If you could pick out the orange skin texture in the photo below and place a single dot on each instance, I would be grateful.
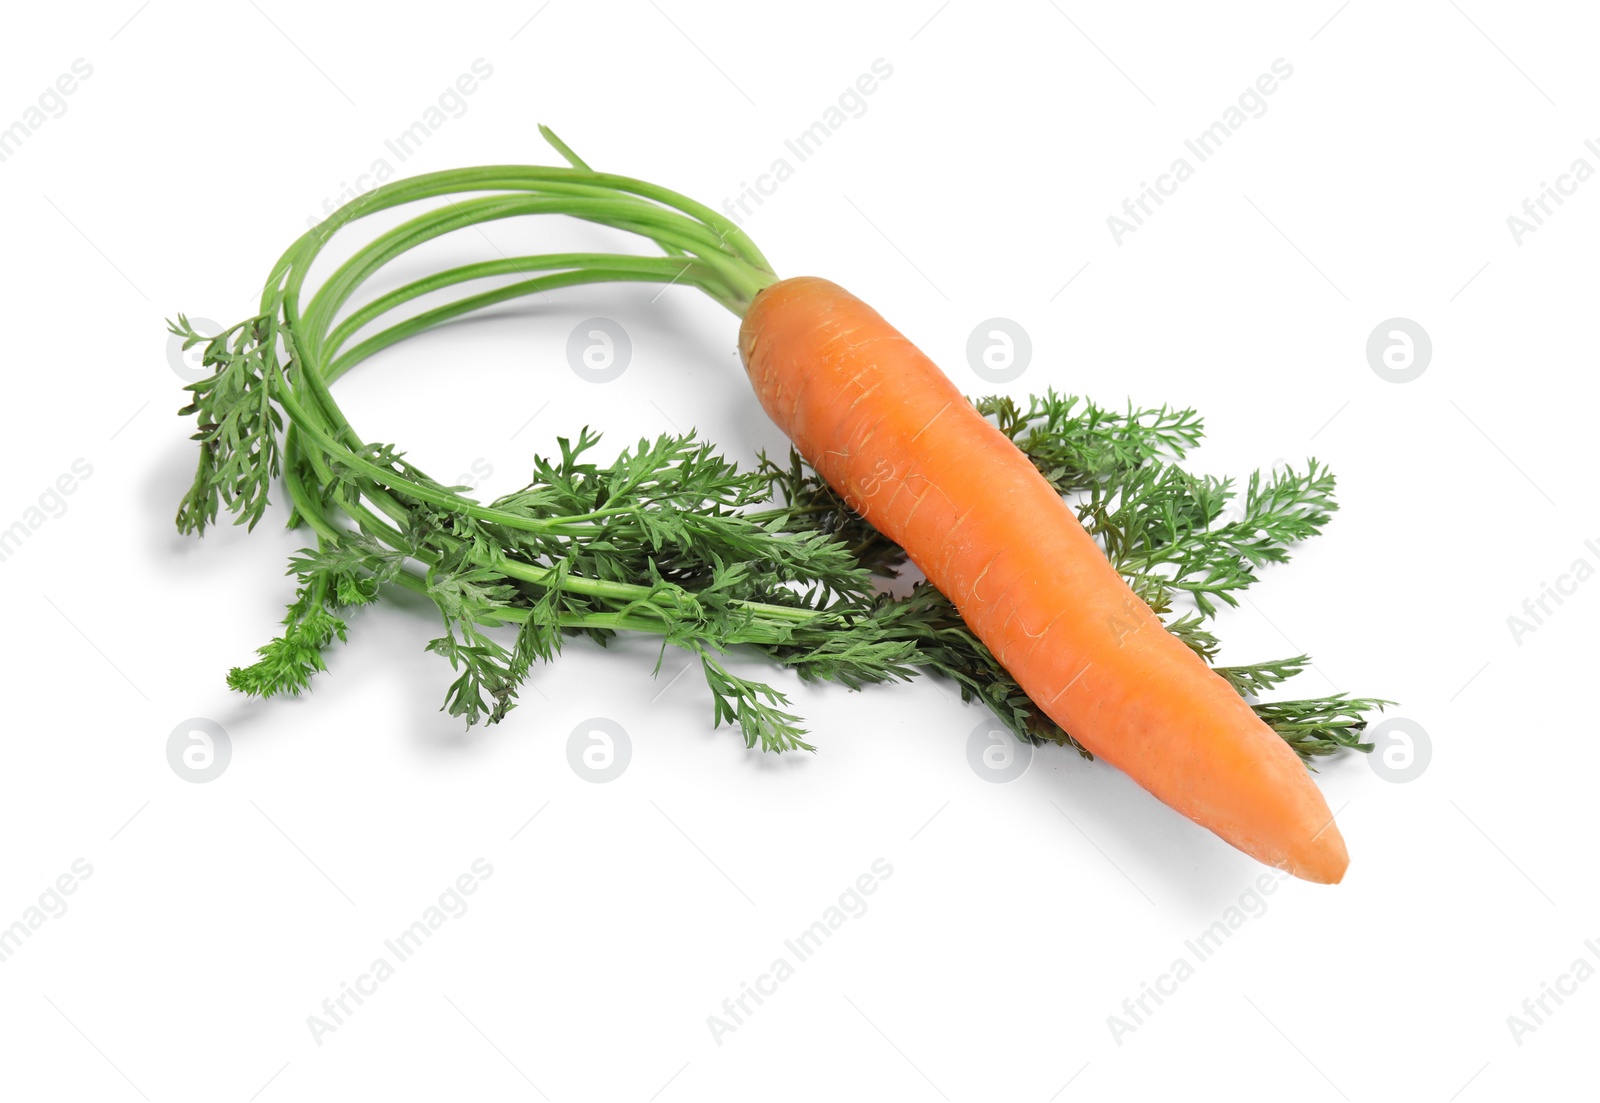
(896, 438)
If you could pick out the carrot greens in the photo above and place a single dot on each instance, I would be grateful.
(669, 538)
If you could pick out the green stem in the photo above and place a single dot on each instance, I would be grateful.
(328, 467)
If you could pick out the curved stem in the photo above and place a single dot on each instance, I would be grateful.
(429, 319)
(745, 274)
(328, 466)
(667, 268)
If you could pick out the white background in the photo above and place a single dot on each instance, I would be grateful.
(619, 916)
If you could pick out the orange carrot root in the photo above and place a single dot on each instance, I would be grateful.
(896, 438)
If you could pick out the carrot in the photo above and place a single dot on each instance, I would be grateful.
(1025, 612)
(892, 434)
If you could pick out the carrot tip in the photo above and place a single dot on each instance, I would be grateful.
(1324, 860)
